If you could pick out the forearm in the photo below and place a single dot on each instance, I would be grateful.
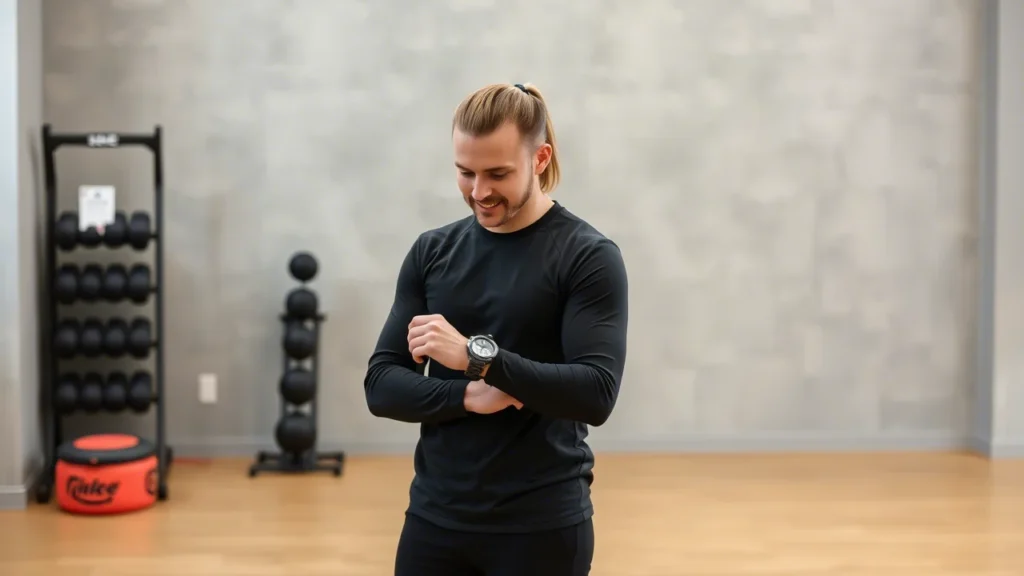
(398, 393)
(581, 392)
(394, 384)
(585, 385)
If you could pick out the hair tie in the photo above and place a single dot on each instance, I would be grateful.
(523, 88)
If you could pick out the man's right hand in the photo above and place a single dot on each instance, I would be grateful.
(482, 398)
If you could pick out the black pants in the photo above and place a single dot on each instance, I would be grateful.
(425, 549)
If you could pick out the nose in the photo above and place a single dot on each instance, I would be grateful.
(480, 191)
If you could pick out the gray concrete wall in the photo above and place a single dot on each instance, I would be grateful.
(793, 185)
(10, 385)
(31, 226)
(1006, 197)
(817, 202)
(21, 103)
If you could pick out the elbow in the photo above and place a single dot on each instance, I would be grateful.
(376, 407)
(381, 400)
(376, 401)
(379, 407)
(604, 402)
(598, 415)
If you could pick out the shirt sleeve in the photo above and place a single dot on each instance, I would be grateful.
(585, 387)
(394, 384)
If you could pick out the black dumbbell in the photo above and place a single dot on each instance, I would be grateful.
(90, 237)
(115, 337)
(116, 233)
(140, 391)
(65, 284)
(139, 283)
(140, 230)
(65, 393)
(90, 396)
(66, 231)
(90, 283)
(115, 281)
(90, 339)
(115, 392)
(65, 338)
(140, 338)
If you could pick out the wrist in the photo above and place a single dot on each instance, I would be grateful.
(464, 358)
(470, 391)
(480, 353)
(457, 394)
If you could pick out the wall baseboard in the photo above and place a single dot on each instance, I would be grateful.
(1001, 449)
(776, 442)
(243, 446)
(16, 497)
(13, 497)
(770, 442)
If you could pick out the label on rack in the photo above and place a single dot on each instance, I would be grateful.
(109, 140)
(95, 206)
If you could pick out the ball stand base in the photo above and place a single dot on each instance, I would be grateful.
(297, 463)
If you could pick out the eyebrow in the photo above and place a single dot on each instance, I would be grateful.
(494, 169)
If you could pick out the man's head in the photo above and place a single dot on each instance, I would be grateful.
(505, 153)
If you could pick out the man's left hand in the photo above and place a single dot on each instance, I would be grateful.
(431, 336)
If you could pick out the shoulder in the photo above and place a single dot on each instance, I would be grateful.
(582, 244)
(434, 242)
(586, 255)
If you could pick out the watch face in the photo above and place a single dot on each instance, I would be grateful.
(483, 348)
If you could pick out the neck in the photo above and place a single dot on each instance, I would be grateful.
(534, 210)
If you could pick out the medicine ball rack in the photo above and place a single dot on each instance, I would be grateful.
(296, 431)
(138, 337)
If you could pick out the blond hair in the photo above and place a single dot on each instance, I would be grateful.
(492, 106)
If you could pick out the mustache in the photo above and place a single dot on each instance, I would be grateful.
(490, 201)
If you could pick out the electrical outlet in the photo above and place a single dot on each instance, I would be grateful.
(208, 388)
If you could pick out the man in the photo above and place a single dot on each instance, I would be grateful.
(520, 310)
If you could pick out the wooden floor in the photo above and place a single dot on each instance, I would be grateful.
(863, 515)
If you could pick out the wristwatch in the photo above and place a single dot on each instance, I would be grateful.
(481, 351)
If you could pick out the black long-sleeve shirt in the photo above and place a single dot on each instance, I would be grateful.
(554, 297)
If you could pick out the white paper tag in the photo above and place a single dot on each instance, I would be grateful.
(96, 206)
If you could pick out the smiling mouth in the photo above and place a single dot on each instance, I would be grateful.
(489, 205)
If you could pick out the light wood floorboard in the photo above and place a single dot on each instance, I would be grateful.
(736, 515)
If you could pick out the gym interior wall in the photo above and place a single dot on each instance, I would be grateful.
(846, 318)
(21, 232)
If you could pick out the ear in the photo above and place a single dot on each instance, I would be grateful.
(541, 158)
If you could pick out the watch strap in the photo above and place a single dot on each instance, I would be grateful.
(475, 369)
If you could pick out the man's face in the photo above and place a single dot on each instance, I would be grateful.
(495, 174)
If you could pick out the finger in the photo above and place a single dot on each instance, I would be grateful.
(418, 331)
(419, 342)
(421, 353)
(417, 357)
(423, 329)
(423, 319)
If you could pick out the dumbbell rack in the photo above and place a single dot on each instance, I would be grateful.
(310, 460)
(292, 459)
(54, 433)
